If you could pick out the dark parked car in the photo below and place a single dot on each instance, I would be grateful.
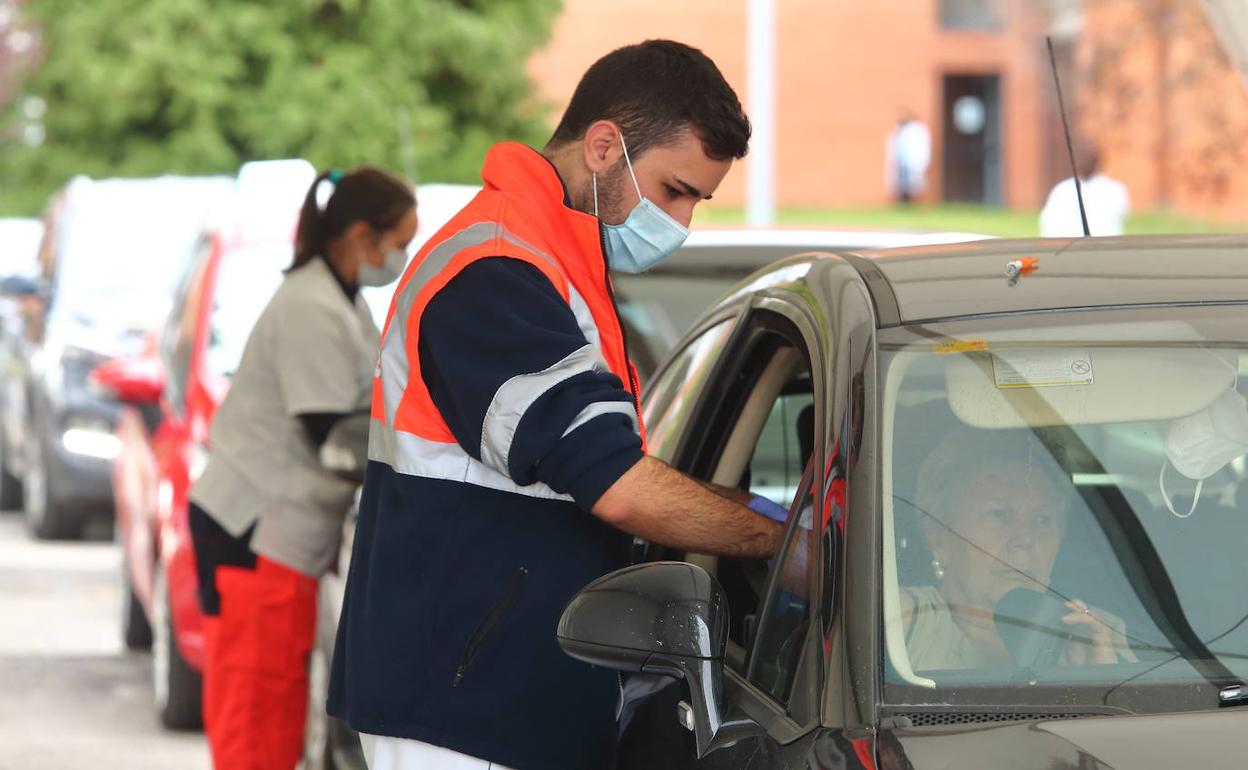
(1016, 479)
(19, 298)
(111, 253)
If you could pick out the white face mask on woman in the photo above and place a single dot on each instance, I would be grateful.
(391, 267)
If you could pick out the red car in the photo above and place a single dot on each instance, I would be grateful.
(170, 399)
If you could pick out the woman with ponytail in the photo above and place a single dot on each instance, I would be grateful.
(266, 515)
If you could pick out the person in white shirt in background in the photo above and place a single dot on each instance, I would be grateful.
(1106, 200)
(907, 154)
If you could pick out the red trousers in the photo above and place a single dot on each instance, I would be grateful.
(256, 666)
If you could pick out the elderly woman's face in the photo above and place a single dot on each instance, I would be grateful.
(1004, 530)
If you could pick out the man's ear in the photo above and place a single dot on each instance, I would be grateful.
(601, 146)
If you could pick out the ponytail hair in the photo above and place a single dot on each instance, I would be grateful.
(338, 200)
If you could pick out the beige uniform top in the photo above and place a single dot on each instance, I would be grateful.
(312, 350)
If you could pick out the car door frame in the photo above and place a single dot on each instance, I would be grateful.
(833, 303)
(857, 305)
(789, 308)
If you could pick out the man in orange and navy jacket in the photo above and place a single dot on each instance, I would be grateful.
(507, 466)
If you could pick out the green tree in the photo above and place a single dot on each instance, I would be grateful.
(137, 88)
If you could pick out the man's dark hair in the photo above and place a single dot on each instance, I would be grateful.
(654, 90)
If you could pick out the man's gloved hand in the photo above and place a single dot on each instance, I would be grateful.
(765, 507)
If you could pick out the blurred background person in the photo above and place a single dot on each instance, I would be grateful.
(266, 515)
(1106, 200)
(907, 154)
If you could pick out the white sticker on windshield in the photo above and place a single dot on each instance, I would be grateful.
(1041, 368)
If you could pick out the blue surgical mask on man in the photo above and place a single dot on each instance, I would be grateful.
(646, 237)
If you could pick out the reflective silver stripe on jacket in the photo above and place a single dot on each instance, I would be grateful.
(600, 408)
(394, 362)
(414, 456)
(514, 397)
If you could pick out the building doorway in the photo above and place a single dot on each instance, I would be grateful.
(971, 155)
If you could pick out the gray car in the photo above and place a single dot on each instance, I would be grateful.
(1017, 482)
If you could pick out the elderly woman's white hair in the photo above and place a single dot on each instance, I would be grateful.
(964, 451)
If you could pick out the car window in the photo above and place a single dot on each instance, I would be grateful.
(1064, 512)
(785, 444)
(246, 281)
(783, 460)
(123, 246)
(759, 436)
(177, 341)
(670, 399)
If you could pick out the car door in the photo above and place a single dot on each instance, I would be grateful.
(172, 441)
(751, 420)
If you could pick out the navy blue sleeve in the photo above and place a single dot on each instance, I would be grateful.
(317, 425)
(519, 386)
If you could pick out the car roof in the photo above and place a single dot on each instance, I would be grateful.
(935, 282)
(741, 252)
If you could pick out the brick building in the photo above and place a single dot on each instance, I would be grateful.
(847, 69)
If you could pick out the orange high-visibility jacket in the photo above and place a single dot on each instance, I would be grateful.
(473, 530)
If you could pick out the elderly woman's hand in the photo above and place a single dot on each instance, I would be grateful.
(1100, 637)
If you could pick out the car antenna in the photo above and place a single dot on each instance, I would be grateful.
(1070, 150)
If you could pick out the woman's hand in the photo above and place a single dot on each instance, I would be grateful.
(1100, 636)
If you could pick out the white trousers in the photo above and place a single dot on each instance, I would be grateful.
(385, 753)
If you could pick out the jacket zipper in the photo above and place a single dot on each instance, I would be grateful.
(487, 624)
(628, 362)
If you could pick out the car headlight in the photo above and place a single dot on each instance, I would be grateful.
(90, 437)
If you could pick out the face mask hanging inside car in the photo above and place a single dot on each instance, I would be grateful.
(1201, 444)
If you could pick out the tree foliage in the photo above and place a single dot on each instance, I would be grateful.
(137, 88)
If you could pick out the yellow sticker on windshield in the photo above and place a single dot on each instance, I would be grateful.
(958, 346)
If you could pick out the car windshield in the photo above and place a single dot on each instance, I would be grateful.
(126, 243)
(1066, 506)
(246, 281)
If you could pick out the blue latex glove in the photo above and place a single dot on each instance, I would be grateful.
(764, 507)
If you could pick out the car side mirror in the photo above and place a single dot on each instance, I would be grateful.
(131, 380)
(666, 618)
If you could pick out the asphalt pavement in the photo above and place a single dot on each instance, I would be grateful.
(71, 696)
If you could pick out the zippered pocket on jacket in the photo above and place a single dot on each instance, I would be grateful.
(487, 624)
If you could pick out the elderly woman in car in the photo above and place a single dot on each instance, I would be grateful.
(992, 506)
